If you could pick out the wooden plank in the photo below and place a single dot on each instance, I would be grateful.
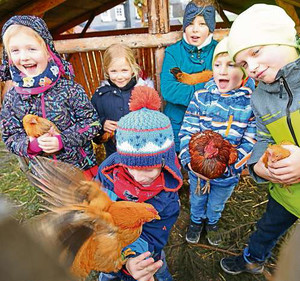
(158, 16)
(224, 17)
(293, 2)
(126, 31)
(132, 40)
(290, 9)
(36, 8)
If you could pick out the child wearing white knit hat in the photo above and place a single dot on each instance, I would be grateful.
(263, 40)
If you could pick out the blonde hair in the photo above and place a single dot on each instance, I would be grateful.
(15, 29)
(120, 51)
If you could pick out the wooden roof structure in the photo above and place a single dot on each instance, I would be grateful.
(61, 15)
(85, 50)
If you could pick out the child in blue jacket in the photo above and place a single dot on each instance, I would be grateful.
(223, 107)
(193, 53)
(145, 168)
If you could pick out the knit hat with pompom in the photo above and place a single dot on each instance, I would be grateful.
(144, 136)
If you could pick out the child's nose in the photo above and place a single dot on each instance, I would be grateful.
(223, 70)
(24, 55)
(252, 66)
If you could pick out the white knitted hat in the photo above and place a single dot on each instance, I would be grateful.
(261, 25)
(221, 48)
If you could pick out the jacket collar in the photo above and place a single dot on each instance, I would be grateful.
(127, 87)
(194, 49)
(291, 74)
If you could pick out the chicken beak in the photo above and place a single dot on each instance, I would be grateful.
(33, 121)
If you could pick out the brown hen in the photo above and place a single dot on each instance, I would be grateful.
(91, 228)
(210, 155)
(36, 126)
(193, 78)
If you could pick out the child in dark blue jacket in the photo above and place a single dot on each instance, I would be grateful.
(145, 168)
(111, 99)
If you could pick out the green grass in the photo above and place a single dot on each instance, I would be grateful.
(16, 188)
(186, 262)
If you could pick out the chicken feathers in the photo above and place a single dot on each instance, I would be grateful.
(91, 228)
(210, 154)
(276, 152)
(193, 78)
(36, 126)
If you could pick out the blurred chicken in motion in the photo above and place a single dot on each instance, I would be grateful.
(91, 228)
(210, 155)
(193, 78)
(36, 126)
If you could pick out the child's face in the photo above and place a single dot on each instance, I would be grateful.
(120, 72)
(227, 74)
(197, 31)
(28, 54)
(145, 176)
(263, 62)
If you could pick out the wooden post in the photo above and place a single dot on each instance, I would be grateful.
(158, 16)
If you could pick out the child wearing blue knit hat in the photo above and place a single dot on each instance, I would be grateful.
(192, 54)
(145, 168)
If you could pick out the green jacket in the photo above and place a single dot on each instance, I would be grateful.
(277, 110)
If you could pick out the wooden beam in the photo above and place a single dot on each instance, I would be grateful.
(132, 40)
(290, 9)
(80, 19)
(224, 17)
(126, 31)
(293, 2)
(158, 16)
(36, 8)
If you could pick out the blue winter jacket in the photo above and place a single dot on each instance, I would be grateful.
(228, 114)
(178, 95)
(112, 103)
(155, 233)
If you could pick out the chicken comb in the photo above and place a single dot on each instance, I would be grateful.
(144, 97)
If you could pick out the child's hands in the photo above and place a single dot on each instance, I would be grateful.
(110, 126)
(141, 268)
(287, 171)
(48, 142)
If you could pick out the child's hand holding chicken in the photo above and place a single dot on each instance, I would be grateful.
(283, 168)
(42, 132)
(143, 267)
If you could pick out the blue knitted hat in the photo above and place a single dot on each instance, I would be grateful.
(192, 10)
(144, 136)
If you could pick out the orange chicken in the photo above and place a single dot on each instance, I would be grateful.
(193, 78)
(276, 152)
(36, 126)
(91, 228)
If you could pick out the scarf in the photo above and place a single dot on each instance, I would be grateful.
(37, 84)
(38, 25)
(128, 189)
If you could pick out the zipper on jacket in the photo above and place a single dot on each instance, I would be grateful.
(288, 113)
